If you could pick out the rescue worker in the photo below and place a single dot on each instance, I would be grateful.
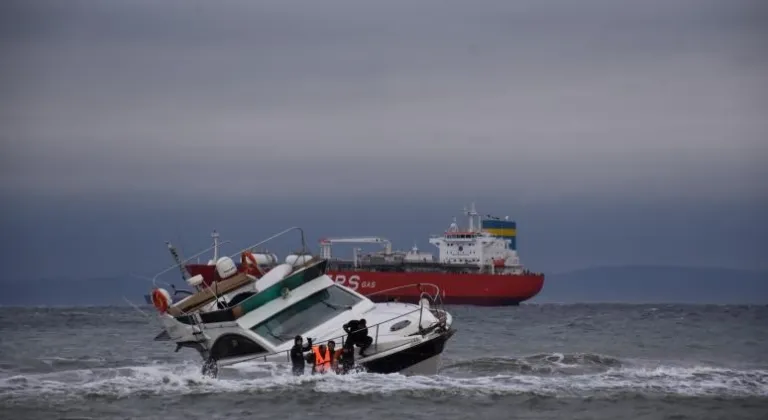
(350, 328)
(363, 339)
(323, 359)
(297, 354)
(335, 355)
(358, 333)
(347, 356)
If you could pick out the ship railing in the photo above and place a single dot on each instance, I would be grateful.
(341, 338)
(432, 285)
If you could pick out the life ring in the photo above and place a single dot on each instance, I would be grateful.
(249, 264)
(161, 299)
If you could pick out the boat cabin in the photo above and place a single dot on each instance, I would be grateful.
(282, 304)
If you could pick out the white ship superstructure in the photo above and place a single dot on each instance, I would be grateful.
(481, 244)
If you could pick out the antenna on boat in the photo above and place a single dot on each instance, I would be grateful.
(178, 261)
(215, 236)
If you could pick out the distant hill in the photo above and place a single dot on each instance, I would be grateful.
(656, 284)
(97, 291)
(601, 284)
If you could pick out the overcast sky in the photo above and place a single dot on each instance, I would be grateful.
(613, 131)
(536, 98)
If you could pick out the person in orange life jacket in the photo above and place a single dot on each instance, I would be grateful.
(297, 354)
(358, 333)
(326, 358)
(322, 356)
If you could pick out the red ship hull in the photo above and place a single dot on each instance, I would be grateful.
(458, 289)
(455, 288)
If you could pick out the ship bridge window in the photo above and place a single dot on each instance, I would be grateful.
(306, 314)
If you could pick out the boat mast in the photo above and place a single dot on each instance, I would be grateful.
(215, 236)
(177, 259)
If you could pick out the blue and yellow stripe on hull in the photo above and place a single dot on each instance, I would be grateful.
(505, 229)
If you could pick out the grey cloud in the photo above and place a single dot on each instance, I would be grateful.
(541, 97)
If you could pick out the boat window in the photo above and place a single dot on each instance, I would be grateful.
(239, 298)
(400, 325)
(234, 345)
(306, 314)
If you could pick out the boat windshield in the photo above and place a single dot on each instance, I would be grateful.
(306, 314)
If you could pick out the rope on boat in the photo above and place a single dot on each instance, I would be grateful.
(146, 315)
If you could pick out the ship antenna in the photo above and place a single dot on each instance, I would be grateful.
(471, 213)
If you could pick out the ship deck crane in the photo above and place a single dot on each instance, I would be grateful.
(327, 243)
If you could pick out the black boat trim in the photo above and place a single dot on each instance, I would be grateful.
(404, 359)
(163, 336)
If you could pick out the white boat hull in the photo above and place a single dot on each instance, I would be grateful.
(262, 324)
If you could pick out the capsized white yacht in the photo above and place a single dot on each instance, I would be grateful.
(244, 318)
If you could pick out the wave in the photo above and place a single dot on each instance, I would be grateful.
(538, 364)
(549, 375)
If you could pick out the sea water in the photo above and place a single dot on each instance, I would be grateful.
(535, 361)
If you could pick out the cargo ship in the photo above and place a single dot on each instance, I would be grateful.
(476, 265)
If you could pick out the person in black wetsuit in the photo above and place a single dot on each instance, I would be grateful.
(347, 357)
(363, 339)
(297, 354)
(351, 328)
(358, 334)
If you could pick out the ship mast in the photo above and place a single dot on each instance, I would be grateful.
(472, 213)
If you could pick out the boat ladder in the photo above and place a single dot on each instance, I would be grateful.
(210, 367)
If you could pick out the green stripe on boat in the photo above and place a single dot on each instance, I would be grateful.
(260, 299)
(276, 290)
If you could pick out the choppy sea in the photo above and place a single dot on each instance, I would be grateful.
(535, 361)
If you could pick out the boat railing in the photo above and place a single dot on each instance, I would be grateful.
(441, 321)
(437, 298)
(275, 236)
(176, 266)
(185, 261)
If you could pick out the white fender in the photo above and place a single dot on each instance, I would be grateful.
(273, 276)
(195, 280)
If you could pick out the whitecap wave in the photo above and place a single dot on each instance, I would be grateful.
(185, 379)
